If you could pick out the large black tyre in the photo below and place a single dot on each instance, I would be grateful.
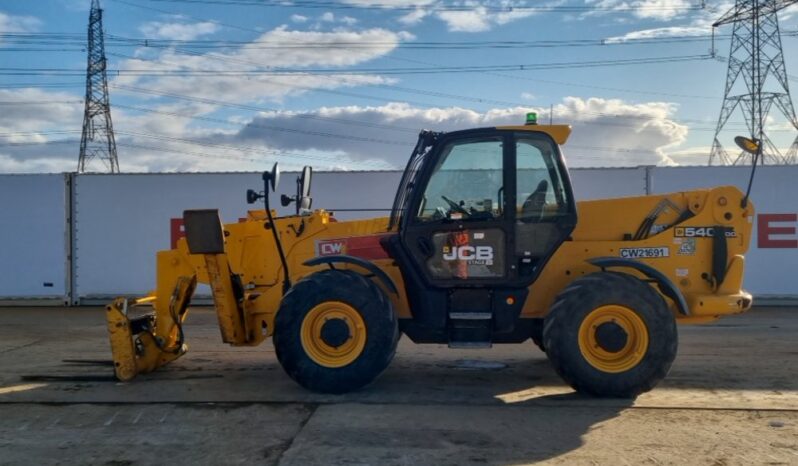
(335, 332)
(583, 342)
(536, 334)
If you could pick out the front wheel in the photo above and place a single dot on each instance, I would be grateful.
(335, 332)
(610, 334)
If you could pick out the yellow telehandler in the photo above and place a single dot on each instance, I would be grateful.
(484, 244)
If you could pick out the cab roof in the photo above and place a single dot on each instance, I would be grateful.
(559, 133)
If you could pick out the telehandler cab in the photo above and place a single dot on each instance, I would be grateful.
(483, 245)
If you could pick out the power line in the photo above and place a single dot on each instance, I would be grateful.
(28, 50)
(274, 152)
(158, 10)
(360, 71)
(377, 125)
(268, 127)
(279, 153)
(31, 102)
(43, 143)
(61, 40)
(222, 103)
(404, 89)
(439, 7)
(431, 93)
(282, 44)
(38, 133)
(239, 148)
(332, 91)
(385, 126)
(42, 85)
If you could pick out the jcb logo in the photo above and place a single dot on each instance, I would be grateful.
(480, 253)
(331, 248)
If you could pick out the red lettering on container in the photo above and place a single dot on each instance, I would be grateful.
(766, 231)
(176, 231)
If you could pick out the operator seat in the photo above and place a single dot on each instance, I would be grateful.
(532, 210)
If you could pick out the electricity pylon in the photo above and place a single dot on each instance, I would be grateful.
(97, 141)
(756, 79)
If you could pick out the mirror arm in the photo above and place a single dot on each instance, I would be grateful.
(268, 177)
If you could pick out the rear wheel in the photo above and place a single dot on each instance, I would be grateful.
(536, 334)
(335, 332)
(610, 334)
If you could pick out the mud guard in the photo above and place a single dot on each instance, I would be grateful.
(352, 260)
(665, 285)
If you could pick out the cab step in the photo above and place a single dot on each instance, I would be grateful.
(470, 344)
(470, 316)
(470, 329)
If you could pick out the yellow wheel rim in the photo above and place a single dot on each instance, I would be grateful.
(322, 352)
(626, 354)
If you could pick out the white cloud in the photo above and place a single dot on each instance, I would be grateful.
(788, 13)
(10, 23)
(414, 17)
(697, 155)
(299, 18)
(261, 54)
(389, 3)
(606, 132)
(178, 31)
(482, 16)
(385, 41)
(466, 21)
(662, 10)
(467, 16)
(698, 25)
(26, 131)
(528, 96)
(34, 119)
(329, 17)
(670, 31)
(50, 164)
(348, 20)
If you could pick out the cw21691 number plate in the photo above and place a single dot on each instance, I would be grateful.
(644, 253)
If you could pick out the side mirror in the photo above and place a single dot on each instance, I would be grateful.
(747, 144)
(272, 178)
(304, 182)
(303, 199)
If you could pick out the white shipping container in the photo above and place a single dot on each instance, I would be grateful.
(121, 221)
(33, 257)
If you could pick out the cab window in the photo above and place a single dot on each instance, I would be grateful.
(539, 187)
(542, 206)
(466, 183)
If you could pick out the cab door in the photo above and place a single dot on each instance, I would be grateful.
(458, 228)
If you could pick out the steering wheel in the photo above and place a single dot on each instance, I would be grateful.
(455, 206)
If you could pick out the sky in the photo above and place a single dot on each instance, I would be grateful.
(236, 85)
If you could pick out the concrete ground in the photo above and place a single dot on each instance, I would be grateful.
(731, 398)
